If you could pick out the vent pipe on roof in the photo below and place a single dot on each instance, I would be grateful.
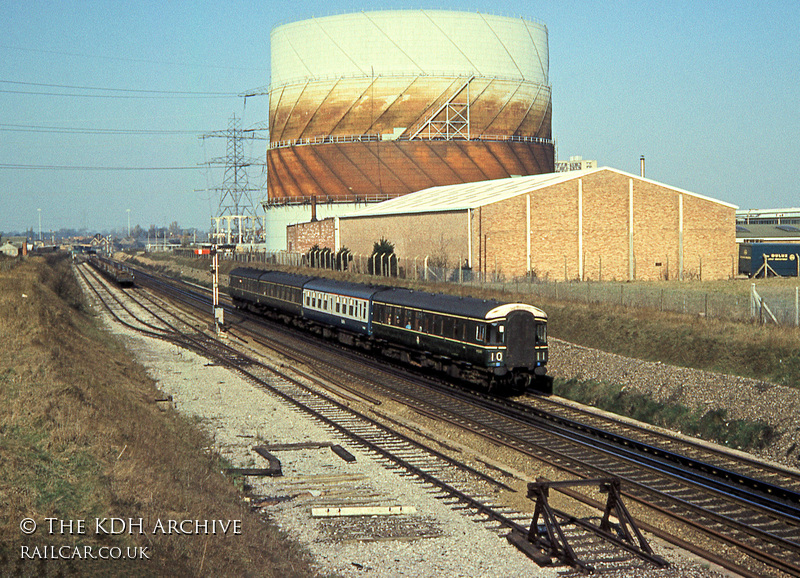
(641, 166)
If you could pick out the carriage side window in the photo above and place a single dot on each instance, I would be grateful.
(338, 305)
(351, 308)
(480, 333)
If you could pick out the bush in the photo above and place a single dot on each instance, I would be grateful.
(712, 425)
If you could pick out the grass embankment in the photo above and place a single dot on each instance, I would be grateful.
(713, 425)
(81, 438)
(763, 352)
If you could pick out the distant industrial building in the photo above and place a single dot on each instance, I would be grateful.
(373, 105)
(768, 226)
(575, 164)
(595, 224)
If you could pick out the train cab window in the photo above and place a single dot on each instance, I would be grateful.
(541, 333)
(497, 334)
(480, 333)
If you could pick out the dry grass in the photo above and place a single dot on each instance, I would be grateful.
(80, 437)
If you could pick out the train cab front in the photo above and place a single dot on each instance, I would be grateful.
(525, 340)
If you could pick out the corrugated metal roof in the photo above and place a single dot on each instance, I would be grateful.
(461, 197)
(464, 196)
(758, 231)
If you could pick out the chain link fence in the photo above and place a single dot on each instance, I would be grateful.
(770, 304)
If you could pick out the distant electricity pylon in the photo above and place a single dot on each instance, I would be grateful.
(236, 219)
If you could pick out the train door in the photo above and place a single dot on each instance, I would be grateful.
(521, 340)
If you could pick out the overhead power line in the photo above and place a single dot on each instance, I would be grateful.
(127, 59)
(88, 168)
(76, 130)
(117, 92)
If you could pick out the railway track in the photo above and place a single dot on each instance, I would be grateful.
(757, 518)
(467, 488)
(731, 501)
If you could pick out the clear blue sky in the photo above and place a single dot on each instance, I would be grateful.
(709, 92)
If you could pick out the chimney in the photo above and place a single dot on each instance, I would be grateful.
(313, 208)
(641, 166)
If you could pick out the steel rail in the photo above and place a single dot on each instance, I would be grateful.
(756, 554)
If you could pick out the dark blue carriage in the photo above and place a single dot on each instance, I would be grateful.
(507, 340)
(260, 289)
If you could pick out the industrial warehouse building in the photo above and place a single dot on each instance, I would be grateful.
(597, 224)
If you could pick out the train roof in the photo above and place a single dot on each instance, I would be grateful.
(343, 288)
(289, 279)
(452, 304)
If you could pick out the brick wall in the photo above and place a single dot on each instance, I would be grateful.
(608, 249)
(439, 236)
(302, 236)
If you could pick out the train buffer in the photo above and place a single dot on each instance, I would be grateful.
(547, 542)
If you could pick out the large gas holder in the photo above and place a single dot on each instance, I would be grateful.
(373, 105)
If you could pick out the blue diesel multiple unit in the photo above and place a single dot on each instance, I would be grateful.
(501, 346)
